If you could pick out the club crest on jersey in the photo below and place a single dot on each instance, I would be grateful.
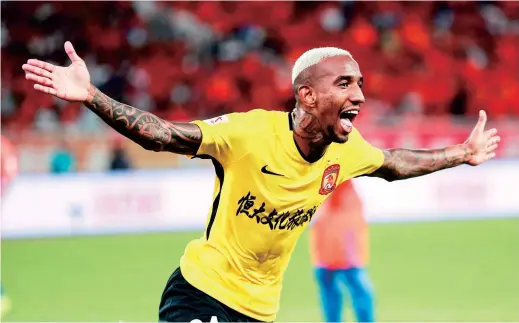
(217, 120)
(329, 180)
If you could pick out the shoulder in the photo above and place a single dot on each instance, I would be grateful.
(229, 137)
(258, 117)
(358, 155)
(355, 135)
(240, 117)
(356, 140)
(249, 122)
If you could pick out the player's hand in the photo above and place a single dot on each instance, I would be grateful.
(482, 143)
(69, 83)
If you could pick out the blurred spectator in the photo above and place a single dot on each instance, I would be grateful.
(411, 104)
(458, 105)
(63, 159)
(119, 157)
(208, 58)
(8, 163)
(197, 59)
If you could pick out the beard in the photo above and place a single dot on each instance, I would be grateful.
(333, 136)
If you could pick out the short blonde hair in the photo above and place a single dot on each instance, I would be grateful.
(314, 56)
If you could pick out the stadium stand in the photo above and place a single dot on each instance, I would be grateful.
(189, 60)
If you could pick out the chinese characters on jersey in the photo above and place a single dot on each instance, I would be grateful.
(248, 206)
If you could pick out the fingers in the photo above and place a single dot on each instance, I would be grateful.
(494, 140)
(492, 148)
(46, 66)
(39, 79)
(37, 70)
(482, 120)
(492, 145)
(491, 132)
(487, 157)
(45, 89)
(71, 52)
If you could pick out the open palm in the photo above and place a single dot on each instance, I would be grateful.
(68, 83)
(482, 143)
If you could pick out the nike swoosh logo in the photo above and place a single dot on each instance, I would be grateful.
(265, 171)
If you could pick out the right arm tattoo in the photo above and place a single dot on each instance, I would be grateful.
(144, 128)
(408, 163)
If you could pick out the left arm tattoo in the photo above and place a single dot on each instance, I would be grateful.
(405, 163)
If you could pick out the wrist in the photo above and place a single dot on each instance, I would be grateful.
(91, 91)
(468, 152)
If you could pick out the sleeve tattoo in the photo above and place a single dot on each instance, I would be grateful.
(405, 163)
(144, 128)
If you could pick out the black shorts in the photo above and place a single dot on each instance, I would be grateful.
(181, 302)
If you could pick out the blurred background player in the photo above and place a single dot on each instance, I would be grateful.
(62, 159)
(9, 163)
(339, 247)
(9, 170)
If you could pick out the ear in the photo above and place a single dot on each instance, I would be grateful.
(306, 95)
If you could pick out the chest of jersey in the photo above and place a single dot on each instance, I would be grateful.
(275, 195)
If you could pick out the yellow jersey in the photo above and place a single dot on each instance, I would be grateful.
(265, 195)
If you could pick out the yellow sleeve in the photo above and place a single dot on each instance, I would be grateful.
(224, 138)
(370, 158)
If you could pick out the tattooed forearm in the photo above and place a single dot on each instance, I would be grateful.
(144, 128)
(404, 163)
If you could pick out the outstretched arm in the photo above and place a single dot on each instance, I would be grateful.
(72, 83)
(406, 163)
(144, 128)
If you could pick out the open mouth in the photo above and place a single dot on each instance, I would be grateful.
(346, 117)
(349, 114)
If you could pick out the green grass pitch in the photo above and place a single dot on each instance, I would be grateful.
(439, 271)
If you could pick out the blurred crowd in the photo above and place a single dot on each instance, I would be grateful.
(187, 60)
